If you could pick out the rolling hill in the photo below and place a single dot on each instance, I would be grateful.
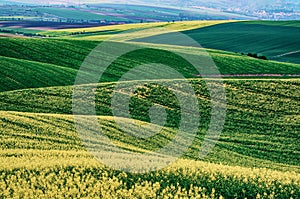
(55, 62)
(247, 131)
(43, 155)
(20, 74)
(273, 39)
(65, 53)
(277, 40)
(256, 151)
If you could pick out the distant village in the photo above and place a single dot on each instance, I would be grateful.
(272, 14)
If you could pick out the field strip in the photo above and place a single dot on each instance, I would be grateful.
(285, 54)
(179, 26)
(34, 158)
(44, 159)
(248, 77)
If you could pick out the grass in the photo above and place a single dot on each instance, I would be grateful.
(178, 26)
(58, 52)
(42, 155)
(20, 74)
(276, 40)
(68, 55)
(247, 127)
(256, 155)
(268, 38)
(276, 23)
(55, 62)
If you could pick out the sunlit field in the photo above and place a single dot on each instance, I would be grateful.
(42, 154)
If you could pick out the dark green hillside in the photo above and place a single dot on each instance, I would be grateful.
(276, 23)
(272, 39)
(51, 62)
(71, 54)
(20, 74)
(67, 53)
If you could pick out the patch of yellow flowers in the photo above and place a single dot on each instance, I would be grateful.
(183, 179)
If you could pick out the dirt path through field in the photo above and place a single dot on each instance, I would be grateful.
(289, 53)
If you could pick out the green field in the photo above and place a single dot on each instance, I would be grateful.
(272, 39)
(47, 50)
(77, 14)
(245, 121)
(111, 30)
(15, 30)
(20, 74)
(156, 13)
(54, 51)
(43, 156)
(250, 140)
(277, 41)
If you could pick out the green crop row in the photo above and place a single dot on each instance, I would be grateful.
(248, 130)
